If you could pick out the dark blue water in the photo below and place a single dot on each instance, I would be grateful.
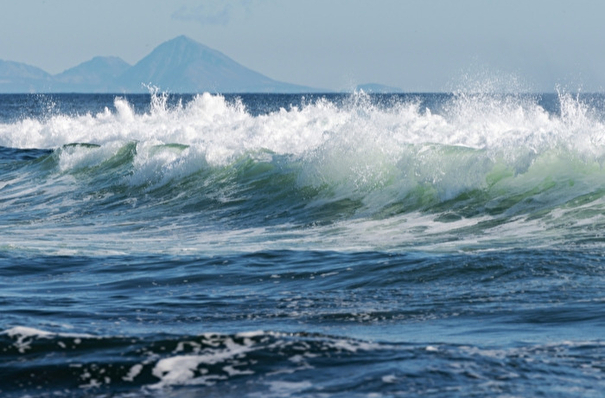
(278, 245)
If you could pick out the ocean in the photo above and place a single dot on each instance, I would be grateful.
(338, 245)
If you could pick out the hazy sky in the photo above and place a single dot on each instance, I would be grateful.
(423, 45)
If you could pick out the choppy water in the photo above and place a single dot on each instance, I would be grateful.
(282, 245)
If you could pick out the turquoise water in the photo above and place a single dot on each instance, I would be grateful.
(287, 245)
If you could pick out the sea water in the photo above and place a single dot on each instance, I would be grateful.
(345, 245)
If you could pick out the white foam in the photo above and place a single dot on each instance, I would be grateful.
(134, 371)
(182, 369)
(24, 332)
(222, 130)
(251, 334)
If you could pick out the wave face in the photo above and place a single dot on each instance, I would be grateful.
(353, 172)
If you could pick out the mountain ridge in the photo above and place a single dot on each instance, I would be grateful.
(95, 75)
(179, 65)
(15, 75)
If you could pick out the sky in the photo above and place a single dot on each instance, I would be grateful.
(418, 46)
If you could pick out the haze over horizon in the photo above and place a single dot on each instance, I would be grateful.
(413, 45)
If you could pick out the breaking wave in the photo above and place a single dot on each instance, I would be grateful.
(476, 166)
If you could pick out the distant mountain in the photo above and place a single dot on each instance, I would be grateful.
(180, 65)
(16, 77)
(375, 88)
(97, 75)
(186, 66)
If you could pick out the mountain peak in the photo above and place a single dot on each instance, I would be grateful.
(187, 66)
(183, 42)
(183, 39)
